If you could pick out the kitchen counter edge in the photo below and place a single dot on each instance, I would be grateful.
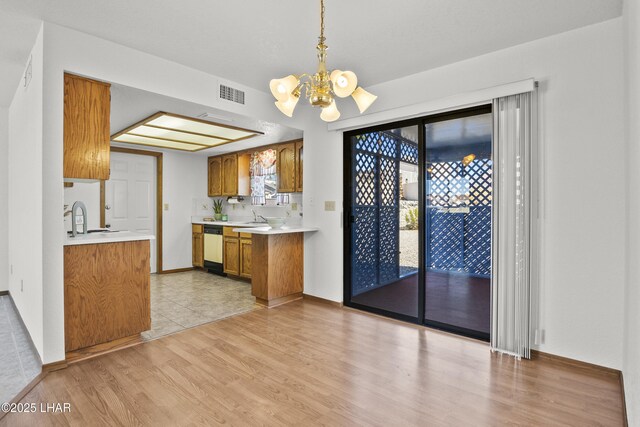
(269, 230)
(90, 239)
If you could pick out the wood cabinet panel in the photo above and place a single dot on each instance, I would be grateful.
(279, 272)
(215, 177)
(286, 167)
(197, 250)
(87, 111)
(299, 165)
(228, 231)
(106, 292)
(230, 175)
(245, 257)
(231, 255)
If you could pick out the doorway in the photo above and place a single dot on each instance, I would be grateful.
(418, 201)
(132, 198)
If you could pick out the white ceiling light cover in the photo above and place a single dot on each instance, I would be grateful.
(165, 130)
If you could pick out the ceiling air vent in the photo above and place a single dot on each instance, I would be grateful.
(231, 94)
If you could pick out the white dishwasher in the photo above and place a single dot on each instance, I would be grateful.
(213, 249)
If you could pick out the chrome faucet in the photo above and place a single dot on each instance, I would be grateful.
(74, 227)
(256, 216)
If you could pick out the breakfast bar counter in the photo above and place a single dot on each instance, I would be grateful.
(277, 263)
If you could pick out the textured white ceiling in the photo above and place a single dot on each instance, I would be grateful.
(252, 41)
(129, 106)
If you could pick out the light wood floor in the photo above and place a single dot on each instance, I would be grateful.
(307, 363)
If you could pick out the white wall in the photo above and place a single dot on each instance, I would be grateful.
(631, 369)
(581, 124)
(68, 50)
(184, 179)
(25, 201)
(4, 199)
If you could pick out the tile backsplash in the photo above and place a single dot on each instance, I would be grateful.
(242, 211)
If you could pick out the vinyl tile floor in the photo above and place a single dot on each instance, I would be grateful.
(19, 360)
(183, 300)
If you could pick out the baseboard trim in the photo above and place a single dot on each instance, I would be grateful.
(55, 366)
(624, 401)
(322, 300)
(3, 293)
(278, 301)
(176, 270)
(101, 349)
(536, 354)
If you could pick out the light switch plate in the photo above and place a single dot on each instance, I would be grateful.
(166, 206)
(329, 205)
(294, 206)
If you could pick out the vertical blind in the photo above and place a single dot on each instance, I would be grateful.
(511, 222)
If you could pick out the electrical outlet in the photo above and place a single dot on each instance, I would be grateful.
(166, 206)
(329, 205)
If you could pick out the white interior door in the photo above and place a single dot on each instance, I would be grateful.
(130, 196)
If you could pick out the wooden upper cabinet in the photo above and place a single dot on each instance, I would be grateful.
(230, 175)
(299, 168)
(215, 176)
(286, 167)
(87, 109)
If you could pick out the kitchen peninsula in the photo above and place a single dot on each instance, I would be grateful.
(106, 288)
(277, 264)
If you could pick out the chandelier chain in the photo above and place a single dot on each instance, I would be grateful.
(321, 20)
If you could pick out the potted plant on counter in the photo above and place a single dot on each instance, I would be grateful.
(217, 209)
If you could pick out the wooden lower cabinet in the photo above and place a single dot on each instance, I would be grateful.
(237, 253)
(197, 250)
(245, 257)
(231, 255)
(278, 276)
(106, 292)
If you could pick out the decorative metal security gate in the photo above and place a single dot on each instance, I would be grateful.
(459, 217)
(375, 199)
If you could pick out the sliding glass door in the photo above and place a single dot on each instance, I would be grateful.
(458, 194)
(383, 219)
(418, 220)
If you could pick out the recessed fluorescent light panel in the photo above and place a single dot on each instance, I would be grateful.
(165, 130)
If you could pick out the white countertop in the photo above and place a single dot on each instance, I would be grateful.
(229, 223)
(269, 230)
(111, 237)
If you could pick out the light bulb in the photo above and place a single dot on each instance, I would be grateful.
(281, 88)
(344, 82)
(363, 98)
(330, 113)
(288, 106)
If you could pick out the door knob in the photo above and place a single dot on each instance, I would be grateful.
(107, 207)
